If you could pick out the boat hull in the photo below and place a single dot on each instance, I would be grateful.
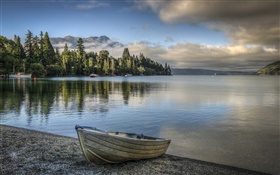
(93, 75)
(20, 76)
(106, 147)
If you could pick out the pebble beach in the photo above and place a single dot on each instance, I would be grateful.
(25, 151)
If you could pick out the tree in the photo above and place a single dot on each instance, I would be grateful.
(57, 57)
(92, 62)
(141, 70)
(19, 53)
(3, 53)
(112, 65)
(125, 54)
(48, 51)
(81, 57)
(106, 67)
(64, 57)
(37, 69)
(169, 72)
(36, 50)
(81, 47)
(54, 70)
(9, 55)
(28, 45)
(41, 40)
(38, 55)
(103, 55)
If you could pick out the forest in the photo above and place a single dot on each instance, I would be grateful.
(37, 56)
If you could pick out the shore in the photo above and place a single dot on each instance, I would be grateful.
(26, 151)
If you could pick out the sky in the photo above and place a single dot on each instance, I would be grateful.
(239, 35)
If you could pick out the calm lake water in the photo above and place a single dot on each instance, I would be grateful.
(232, 120)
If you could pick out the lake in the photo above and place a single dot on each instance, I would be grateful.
(231, 120)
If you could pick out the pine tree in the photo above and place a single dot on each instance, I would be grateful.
(48, 51)
(81, 57)
(103, 55)
(28, 45)
(19, 51)
(125, 54)
(169, 70)
(106, 67)
(112, 65)
(65, 58)
(36, 50)
(41, 39)
(57, 57)
(81, 47)
(40, 51)
(41, 45)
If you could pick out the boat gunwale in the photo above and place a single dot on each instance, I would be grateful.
(100, 132)
(117, 141)
(90, 151)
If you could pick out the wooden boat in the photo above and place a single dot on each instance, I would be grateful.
(93, 75)
(104, 147)
(20, 75)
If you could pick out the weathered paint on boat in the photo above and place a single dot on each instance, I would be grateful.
(115, 147)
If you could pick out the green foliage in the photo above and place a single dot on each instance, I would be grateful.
(28, 44)
(9, 60)
(81, 61)
(271, 69)
(81, 47)
(126, 54)
(37, 70)
(10, 63)
(40, 58)
(54, 70)
(37, 53)
(48, 51)
(18, 51)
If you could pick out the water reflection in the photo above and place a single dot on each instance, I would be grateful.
(230, 120)
(241, 139)
(44, 96)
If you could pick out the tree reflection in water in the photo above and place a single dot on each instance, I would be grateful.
(43, 96)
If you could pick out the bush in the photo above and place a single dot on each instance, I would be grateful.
(54, 70)
(37, 70)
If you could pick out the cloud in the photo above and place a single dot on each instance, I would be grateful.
(169, 39)
(245, 22)
(234, 56)
(91, 45)
(189, 55)
(62, 44)
(91, 5)
(136, 5)
(144, 27)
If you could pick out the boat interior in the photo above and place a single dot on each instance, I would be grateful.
(131, 135)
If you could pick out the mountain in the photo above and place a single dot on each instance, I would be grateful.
(271, 69)
(94, 42)
(188, 71)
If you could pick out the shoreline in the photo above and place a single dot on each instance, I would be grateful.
(25, 151)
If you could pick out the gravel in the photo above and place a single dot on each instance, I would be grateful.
(29, 152)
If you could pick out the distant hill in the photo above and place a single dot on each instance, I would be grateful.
(89, 42)
(271, 69)
(188, 71)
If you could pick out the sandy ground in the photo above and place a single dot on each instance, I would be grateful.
(31, 152)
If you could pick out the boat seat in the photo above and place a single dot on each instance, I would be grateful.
(141, 136)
